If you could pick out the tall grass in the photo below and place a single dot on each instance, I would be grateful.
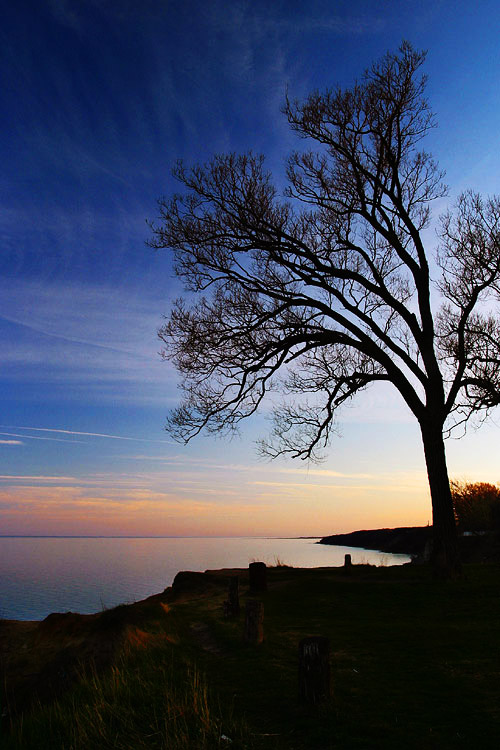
(149, 699)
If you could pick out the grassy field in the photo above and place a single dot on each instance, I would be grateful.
(415, 664)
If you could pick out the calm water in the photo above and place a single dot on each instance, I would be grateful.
(40, 576)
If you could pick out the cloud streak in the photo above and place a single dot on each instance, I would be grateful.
(38, 437)
(77, 432)
(107, 339)
(36, 478)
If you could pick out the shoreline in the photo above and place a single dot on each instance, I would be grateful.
(415, 541)
(407, 540)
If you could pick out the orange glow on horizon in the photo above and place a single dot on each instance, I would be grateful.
(260, 508)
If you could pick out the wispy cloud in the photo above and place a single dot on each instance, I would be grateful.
(340, 26)
(10, 442)
(389, 487)
(30, 478)
(212, 465)
(71, 500)
(104, 483)
(323, 473)
(192, 462)
(87, 434)
(65, 13)
(38, 437)
(106, 342)
(108, 317)
(63, 507)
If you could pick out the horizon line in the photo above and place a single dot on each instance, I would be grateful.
(148, 536)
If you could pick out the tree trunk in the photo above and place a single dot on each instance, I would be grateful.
(445, 556)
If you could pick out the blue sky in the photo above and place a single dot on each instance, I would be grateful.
(99, 99)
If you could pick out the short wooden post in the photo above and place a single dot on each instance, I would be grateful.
(314, 669)
(232, 605)
(257, 572)
(254, 622)
(347, 564)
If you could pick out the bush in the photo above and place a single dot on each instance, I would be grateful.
(477, 505)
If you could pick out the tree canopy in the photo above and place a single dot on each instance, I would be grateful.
(477, 505)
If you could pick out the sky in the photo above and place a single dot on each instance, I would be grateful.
(99, 100)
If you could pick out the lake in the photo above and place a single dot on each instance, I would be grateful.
(60, 574)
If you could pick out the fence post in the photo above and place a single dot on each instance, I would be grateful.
(254, 622)
(257, 572)
(314, 669)
(232, 605)
(347, 564)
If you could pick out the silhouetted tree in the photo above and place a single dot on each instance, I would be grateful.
(477, 505)
(329, 291)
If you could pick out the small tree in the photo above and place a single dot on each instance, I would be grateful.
(477, 505)
(329, 291)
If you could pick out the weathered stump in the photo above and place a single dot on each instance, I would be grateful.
(254, 622)
(314, 669)
(257, 572)
(232, 605)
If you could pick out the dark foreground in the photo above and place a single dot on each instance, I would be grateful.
(415, 664)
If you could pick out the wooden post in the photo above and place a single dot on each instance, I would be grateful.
(314, 669)
(254, 622)
(257, 572)
(347, 564)
(232, 605)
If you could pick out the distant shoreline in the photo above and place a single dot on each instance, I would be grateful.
(406, 540)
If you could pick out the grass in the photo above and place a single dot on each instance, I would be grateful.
(148, 699)
(279, 563)
(415, 664)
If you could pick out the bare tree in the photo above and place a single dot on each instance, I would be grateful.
(326, 291)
